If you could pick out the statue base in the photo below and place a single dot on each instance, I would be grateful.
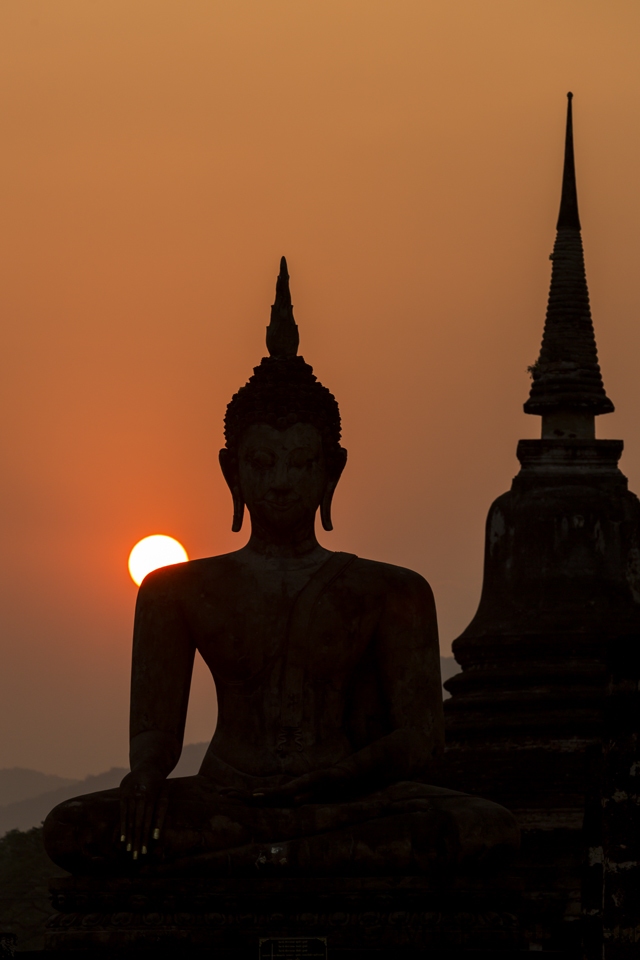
(288, 917)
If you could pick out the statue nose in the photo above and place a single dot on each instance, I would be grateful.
(281, 480)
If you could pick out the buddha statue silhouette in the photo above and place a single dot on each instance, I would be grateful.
(328, 678)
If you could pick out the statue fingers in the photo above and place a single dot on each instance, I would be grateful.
(147, 827)
(160, 814)
(301, 798)
(123, 819)
(129, 823)
(298, 786)
(231, 793)
(272, 797)
(284, 793)
(138, 823)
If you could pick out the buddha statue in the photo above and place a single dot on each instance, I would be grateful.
(327, 672)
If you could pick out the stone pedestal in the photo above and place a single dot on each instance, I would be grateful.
(374, 917)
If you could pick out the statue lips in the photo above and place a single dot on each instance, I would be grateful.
(282, 504)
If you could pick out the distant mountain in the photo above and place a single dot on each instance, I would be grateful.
(18, 783)
(30, 810)
(30, 813)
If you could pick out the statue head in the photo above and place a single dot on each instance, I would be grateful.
(282, 456)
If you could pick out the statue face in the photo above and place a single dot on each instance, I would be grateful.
(282, 473)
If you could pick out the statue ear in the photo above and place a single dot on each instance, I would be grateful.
(229, 472)
(330, 489)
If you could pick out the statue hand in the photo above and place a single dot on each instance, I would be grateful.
(308, 788)
(143, 805)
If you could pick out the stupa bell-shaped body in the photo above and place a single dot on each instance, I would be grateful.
(561, 571)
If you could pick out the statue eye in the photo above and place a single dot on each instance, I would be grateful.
(302, 459)
(261, 459)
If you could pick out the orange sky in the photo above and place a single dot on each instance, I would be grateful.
(158, 156)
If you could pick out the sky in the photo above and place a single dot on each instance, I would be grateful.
(158, 157)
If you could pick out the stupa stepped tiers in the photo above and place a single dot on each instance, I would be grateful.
(561, 585)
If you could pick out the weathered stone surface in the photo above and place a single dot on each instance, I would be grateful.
(621, 803)
(561, 578)
(592, 866)
(381, 914)
(7, 944)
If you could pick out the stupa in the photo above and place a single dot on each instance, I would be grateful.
(561, 586)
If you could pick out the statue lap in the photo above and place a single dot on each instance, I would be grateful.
(407, 828)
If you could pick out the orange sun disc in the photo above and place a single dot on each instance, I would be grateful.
(153, 552)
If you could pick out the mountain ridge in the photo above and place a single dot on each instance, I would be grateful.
(22, 783)
(31, 811)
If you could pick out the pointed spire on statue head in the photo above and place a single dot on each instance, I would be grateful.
(282, 332)
(283, 391)
(567, 389)
(568, 218)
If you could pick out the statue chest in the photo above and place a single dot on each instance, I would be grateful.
(262, 651)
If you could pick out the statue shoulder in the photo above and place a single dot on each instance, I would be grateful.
(390, 577)
(404, 600)
(183, 576)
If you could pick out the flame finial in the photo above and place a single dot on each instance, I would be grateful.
(282, 333)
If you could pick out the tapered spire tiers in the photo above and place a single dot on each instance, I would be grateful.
(282, 332)
(568, 217)
(567, 385)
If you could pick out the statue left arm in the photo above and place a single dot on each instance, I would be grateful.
(407, 659)
(163, 655)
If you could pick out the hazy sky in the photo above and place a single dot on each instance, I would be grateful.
(158, 156)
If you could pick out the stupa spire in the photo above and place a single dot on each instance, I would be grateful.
(282, 332)
(568, 218)
(567, 389)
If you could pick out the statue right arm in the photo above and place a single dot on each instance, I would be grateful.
(163, 654)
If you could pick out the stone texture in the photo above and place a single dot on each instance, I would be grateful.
(621, 803)
(561, 578)
(374, 914)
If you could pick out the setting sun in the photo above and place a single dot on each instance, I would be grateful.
(153, 552)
